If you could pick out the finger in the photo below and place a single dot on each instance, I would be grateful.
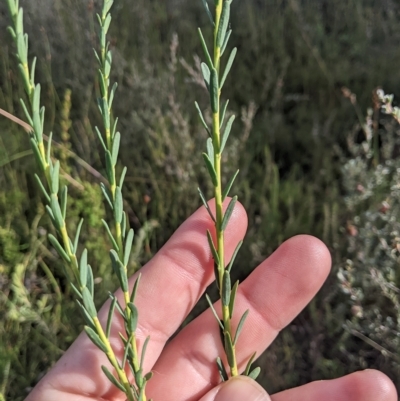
(369, 385)
(170, 285)
(237, 389)
(275, 293)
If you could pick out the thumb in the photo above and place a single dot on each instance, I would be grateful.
(239, 388)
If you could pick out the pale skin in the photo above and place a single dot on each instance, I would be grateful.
(184, 367)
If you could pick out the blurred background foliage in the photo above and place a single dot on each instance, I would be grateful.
(315, 154)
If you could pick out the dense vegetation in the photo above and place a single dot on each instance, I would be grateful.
(312, 157)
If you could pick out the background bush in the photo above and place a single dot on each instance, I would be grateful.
(299, 147)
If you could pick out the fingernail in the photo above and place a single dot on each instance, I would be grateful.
(241, 388)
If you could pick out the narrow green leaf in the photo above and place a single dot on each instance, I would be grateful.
(123, 278)
(57, 246)
(11, 31)
(228, 66)
(55, 178)
(226, 288)
(107, 195)
(22, 50)
(222, 117)
(144, 348)
(210, 150)
(206, 74)
(83, 268)
(210, 169)
(110, 316)
(36, 99)
(25, 78)
(90, 280)
(216, 273)
(232, 298)
(230, 355)
(107, 6)
(115, 148)
(55, 208)
(95, 338)
(111, 99)
(76, 291)
(135, 288)
(88, 302)
(114, 127)
(139, 378)
(128, 246)
(77, 235)
(205, 4)
(240, 326)
(118, 206)
(33, 70)
(228, 213)
(121, 180)
(226, 40)
(112, 378)
(107, 23)
(205, 49)
(123, 224)
(226, 133)
(37, 154)
(202, 120)
(39, 181)
(234, 255)
(114, 243)
(86, 316)
(254, 373)
(214, 91)
(107, 68)
(212, 247)
(229, 186)
(223, 23)
(51, 215)
(204, 201)
(214, 311)
(222, 371)
(127, 351)
(117, 305)
(249, 363)
(26, 112)
(48, 154)
(63, 201)
(133, 321)
(100, 138)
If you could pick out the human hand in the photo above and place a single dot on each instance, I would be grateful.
(184, 368)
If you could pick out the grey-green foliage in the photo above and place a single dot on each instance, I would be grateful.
(371, 274)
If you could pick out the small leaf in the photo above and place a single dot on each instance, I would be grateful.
(36, 100)
(37, 154)
(77, 234)
(205, 4)
(83, 268)
(55, 178)
(214, 91)
(121, 180)
(110, 236)
(118, 205)
(226, 288)
(57, 246)
(110, 168)
(128, 350)
(232, 298)
(128, 246)
(55, 208)
(100, 138)
(110, 316)
(214, 311)
(222, 371)
(115, 148)
(206, 74)
(222, 117)
(146, 341)
(205, 49)
(33, 70)
(223, 23)
(27, 115)
(135, 288)
(203, 121)
(49, 151)
(133, 321)
(95, 338)
(148, 376)
(25, 78)
(226, 133)
(229, 351)
(226, 40)
(254, 373)
(228, 213)
(107, 195)
(111, 98)
(234, 255)
(210, 169)
(63, 201)
(228, 66)
(90, 281)
(112, 379)
(39, 181)
(119, 270)
(249, 363)
(88, 302)
(204, 201)
(229, 186)
(212, 247)
(240, 326)
(76, 291)
(86, 316)
(210, 150)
